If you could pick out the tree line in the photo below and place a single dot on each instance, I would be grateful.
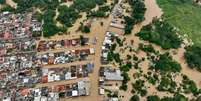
(137, 15)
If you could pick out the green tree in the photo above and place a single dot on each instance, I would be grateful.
(161, 33)
(193, 56)
(2, 1)
(135, 98)
(153, 98)
(137, 16)
(86, 29)
(180, 97)
(67, 18)
(7, 8)
(166, 63)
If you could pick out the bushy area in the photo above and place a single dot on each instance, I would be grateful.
(147, 48)
(139, 87)
(165, 63)
(2, 1)
(7, 8)
(153, 98)
(176, 97)
(67, 14)
(189, 86)
(193, 57)
(49, 26)
(184, 15)
(87, 5)
(24, 5)
(160, 33)
(124, 85)
(167, 84)
(101, 12)
(83, 28)
(137, 14)
(135, 98)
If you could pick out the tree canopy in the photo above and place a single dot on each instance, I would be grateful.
(193, 57)
(165, 63)
(161, 33)
(135, 98)
(137, 14)
(2, 1)
(153, 98)
(67, 18)
(49, 26)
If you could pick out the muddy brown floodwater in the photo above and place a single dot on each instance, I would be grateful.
(152, 11)
(11, 3)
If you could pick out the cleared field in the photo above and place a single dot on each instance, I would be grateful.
(186, 16)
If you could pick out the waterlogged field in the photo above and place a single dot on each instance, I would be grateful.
(185, 15)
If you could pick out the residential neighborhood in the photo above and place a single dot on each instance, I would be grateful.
(100, 50)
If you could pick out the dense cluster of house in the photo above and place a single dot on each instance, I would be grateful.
(16, 33)
(58, 44)
(107, 43)
(53, 93)
(66, 73)
(64, 57)
(110, 78)
(15, 26)
(17, 47)
(108, 74)
(22, 68)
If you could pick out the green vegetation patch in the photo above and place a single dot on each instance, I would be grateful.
(24, 5)
(124, 85)
(165, 63)
(7, 8)
(101, 12)
(167, 84)
(147, 48)
(160, 33)
(67, 15)
(153, 98)
(139, 87)
(87, 5)
(176, 97)
(189, 86)
(193, 57)
(2, 1)
(49, 26)
(137, 14)
(185, 15)
(135, 98)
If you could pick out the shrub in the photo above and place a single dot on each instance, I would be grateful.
(153, 98)
(166, 63)
(160, 33)
(135, 98)
(193, 57)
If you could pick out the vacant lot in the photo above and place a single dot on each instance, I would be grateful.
(184, 15)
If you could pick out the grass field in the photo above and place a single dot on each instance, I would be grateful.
(185, 16)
